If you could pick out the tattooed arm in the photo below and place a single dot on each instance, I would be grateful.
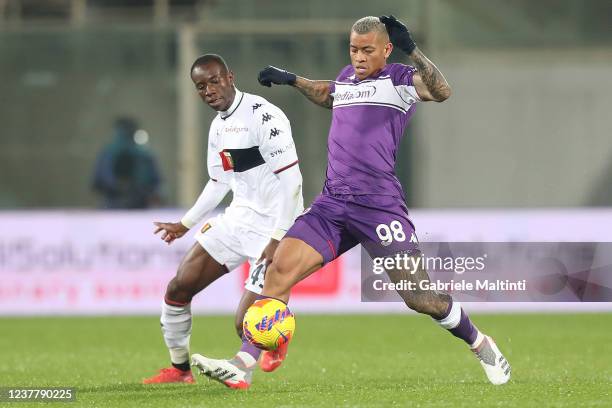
(316, 91)
(428, 81)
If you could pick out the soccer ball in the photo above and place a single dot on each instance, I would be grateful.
(268, 324)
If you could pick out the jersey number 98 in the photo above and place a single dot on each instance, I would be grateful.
(391, 232)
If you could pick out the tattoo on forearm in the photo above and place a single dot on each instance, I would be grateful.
(432, 77)
(315, 91)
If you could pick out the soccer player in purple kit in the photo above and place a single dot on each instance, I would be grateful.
(362, 200)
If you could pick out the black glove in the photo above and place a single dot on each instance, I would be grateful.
(272, 75)
(399, 34)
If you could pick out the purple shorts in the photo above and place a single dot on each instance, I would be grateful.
(336, 223)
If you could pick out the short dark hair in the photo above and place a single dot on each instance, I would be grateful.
(211, 58)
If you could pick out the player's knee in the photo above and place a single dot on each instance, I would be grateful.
(280, 275)
(283, 267)
(179, 291)
(279, 278)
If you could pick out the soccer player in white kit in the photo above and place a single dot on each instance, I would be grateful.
(250, 152)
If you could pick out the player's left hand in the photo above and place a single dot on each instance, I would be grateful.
(268, 252)
(398, 34)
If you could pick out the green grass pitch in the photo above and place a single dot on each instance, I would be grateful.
(334, 361)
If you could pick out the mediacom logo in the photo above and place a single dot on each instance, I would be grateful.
(366, 92)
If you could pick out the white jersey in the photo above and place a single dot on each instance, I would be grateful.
(247, 145)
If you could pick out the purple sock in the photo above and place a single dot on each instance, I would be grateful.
(459, 324)
(249, 348)
(465, 330)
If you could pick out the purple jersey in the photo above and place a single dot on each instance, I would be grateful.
(368, 120)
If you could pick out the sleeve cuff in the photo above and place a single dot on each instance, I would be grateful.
(188, 223)
(278, 234)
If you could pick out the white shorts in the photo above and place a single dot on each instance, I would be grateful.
(231, 244)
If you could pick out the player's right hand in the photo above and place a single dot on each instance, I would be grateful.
(272, 75)
(170, 230)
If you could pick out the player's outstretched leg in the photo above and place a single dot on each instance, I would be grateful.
(293, 261)
(236, 373)
(450, 315)
(495, 365)
(197, 270)
(269, 360)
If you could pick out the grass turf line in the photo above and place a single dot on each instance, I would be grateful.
(340, 361)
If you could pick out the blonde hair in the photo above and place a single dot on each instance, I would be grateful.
(368, 24)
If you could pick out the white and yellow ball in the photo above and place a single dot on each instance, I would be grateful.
(268, 324)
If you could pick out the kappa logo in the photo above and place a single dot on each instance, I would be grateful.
(266, 117)
(274, 132)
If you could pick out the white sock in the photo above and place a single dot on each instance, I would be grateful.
(454, 317)
(479, 339)
(248, 360)
(176, 328)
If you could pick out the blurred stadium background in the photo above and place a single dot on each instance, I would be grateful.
(522, 150)
(528, 125)
(524, 141)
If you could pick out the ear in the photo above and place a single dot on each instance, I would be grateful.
(388, 50)
(230, 76)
